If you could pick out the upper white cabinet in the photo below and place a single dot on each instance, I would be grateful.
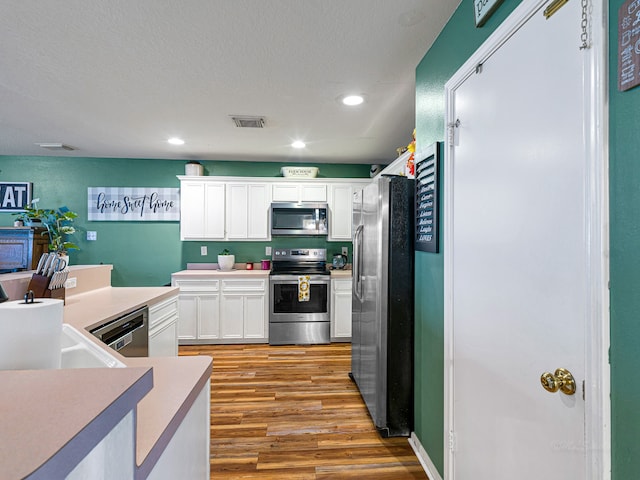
(340, 206)
(237, 208)
(299, 192)
(247, 211)
(213, 209)
(201, 210)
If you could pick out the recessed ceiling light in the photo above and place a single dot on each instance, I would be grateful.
(352, 100)
(176, 141)
(298, 144)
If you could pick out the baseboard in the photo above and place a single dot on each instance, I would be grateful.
(423, 457)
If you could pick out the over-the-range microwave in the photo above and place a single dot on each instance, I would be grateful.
(298, 219)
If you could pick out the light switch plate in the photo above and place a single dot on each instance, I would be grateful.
(91, 235)
(267, 250)
(345, 251)
(203, 250)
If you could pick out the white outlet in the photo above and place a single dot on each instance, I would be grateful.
(267, 250)
(92, 235)
(345, 251)
(71, 282)
(203, 250)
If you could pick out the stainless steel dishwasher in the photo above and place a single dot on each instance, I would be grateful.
(128, 335)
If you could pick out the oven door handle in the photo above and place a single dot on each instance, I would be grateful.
(357, 262)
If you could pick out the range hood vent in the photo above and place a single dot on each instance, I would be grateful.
(248, 122)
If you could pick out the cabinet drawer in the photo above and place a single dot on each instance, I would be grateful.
(342, 285)
(244, 285)
(198, 285)
(162, 309)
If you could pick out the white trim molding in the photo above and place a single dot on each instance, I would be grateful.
(427, 465)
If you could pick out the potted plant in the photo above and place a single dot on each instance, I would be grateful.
(226, 260)
(58, 225)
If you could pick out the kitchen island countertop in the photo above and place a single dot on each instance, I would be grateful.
(176, 383)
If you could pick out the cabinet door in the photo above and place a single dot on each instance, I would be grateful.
(232, 317)
(188, 314)
(215, 211)
(286, 192)
(341, 310)
(209, 316)
(255, 316)
(313, 193)
(340, 205)
(258, 212)
(237, 211)
(163, 339)
(192, 207)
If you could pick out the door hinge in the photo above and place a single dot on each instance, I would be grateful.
(451, 131)
(452, 441)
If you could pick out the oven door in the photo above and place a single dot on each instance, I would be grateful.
(285, 306)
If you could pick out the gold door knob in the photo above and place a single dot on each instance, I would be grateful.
(562, 380)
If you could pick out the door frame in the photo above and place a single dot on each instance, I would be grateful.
(596, 128)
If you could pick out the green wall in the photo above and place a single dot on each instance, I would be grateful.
(143, 253)
(456, 43)
(624, 187)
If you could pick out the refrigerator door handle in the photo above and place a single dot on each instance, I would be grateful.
(357, 262)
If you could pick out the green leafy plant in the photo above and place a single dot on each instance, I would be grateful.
(58, 225)
(225, 252)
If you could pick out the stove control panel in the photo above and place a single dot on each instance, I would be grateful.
(301, 254)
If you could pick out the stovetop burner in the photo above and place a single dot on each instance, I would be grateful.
(299, 261)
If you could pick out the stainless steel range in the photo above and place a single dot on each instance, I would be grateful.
(299, 287)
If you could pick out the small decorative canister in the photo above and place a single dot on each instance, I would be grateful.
(193, 169)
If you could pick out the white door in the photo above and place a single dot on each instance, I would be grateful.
(517, 255)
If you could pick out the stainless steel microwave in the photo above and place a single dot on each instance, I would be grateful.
(298, 219)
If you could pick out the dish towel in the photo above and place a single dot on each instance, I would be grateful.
(303, 288)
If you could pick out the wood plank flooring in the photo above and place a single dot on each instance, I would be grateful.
(292, 412)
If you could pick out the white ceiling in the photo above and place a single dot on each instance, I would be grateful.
(117, 78)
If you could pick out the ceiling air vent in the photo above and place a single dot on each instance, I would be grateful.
(248, 122)
(55, 146)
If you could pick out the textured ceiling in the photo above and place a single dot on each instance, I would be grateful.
(117, 78)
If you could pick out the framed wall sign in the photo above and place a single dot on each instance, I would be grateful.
(15, 196)
(482, 10)
(426, 224)
(628, 45)
(133, 204)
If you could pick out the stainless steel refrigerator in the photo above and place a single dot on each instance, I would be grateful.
(383, 302)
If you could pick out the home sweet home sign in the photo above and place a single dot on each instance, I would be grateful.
(133, 204)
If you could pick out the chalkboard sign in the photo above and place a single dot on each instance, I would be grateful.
(628, 45)
(426, 239)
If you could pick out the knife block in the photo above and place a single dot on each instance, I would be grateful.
(39, 284)
(58, 293)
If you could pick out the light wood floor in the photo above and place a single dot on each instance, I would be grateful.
(292, 412)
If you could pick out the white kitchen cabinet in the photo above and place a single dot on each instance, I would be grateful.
(163, 328)
(340, 215)
(202, 210)
(223, 309)
(199, 310)
(299, 192)
(247, 211)
(244, 309)
(341, 309)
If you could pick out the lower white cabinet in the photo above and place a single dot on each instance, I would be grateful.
(341, 309)
(223, 310)
(163, 328)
